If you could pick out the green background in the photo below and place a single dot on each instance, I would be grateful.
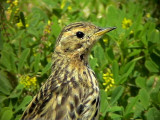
(132, 54)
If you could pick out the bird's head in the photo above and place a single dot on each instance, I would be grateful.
(77, 39)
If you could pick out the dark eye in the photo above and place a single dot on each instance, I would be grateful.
(80, 34)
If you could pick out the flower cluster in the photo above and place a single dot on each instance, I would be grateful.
(13, 5)
(108, 80)
(30, 83)
(14, 9)
(126, 23)
(44, 39)
(63, 3)
(47, 29)
(20, 24)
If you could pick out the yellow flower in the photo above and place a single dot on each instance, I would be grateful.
(49, 22)
(9, 10)
(28, 82)
(148, 15)
(108, 80)
(105, 40)
(15, 2)
(47, 29)
(63, 4)
(8, 1)
(69, 8)
(126, 23)
(20, 24)
(17, 10)
(27, 25)
(131, 32)
(13, 5)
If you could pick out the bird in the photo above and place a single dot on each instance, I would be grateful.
(71, 92)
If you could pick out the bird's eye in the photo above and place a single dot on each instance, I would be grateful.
(80, 34)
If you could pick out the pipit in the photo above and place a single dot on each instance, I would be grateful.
(71, 91)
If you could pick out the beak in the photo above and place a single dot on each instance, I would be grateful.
(103, 31)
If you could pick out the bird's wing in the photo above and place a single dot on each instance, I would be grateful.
(47, 102)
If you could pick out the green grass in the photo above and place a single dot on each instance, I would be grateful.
(130, 54)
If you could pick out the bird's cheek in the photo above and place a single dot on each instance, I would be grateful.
(90, 42)
(95, 39)
(58, 48)
(71, 47)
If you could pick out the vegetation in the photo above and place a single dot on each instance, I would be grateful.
(126, 61)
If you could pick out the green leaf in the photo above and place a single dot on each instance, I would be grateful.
(137, 110)
(134, 53)
(115, 69)
(151, 66)
(99, 54)
(33, 31)
(2, 98)
(104, 103)
(115, 109)
(141, 82)
(56, 28)
(1, 42)
(7, 113)
(6, 60)
(144, 98)
(118, 91)
(115, 116)
(110, 54)
(51, 4)
(5, 86)
(17, 91)
(113, 13)
(131, 103)
(127, 70)
(37, 62)
(155, 93)
(23, 59)
(154, 36)
(47, 67)
(23, 19)
(19, 34)
(152, 114)
(23, 104)
(93, 63)
(35, 20)
(18, 117)
(150, 82)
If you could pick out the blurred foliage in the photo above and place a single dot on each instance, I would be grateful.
(129, 57)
